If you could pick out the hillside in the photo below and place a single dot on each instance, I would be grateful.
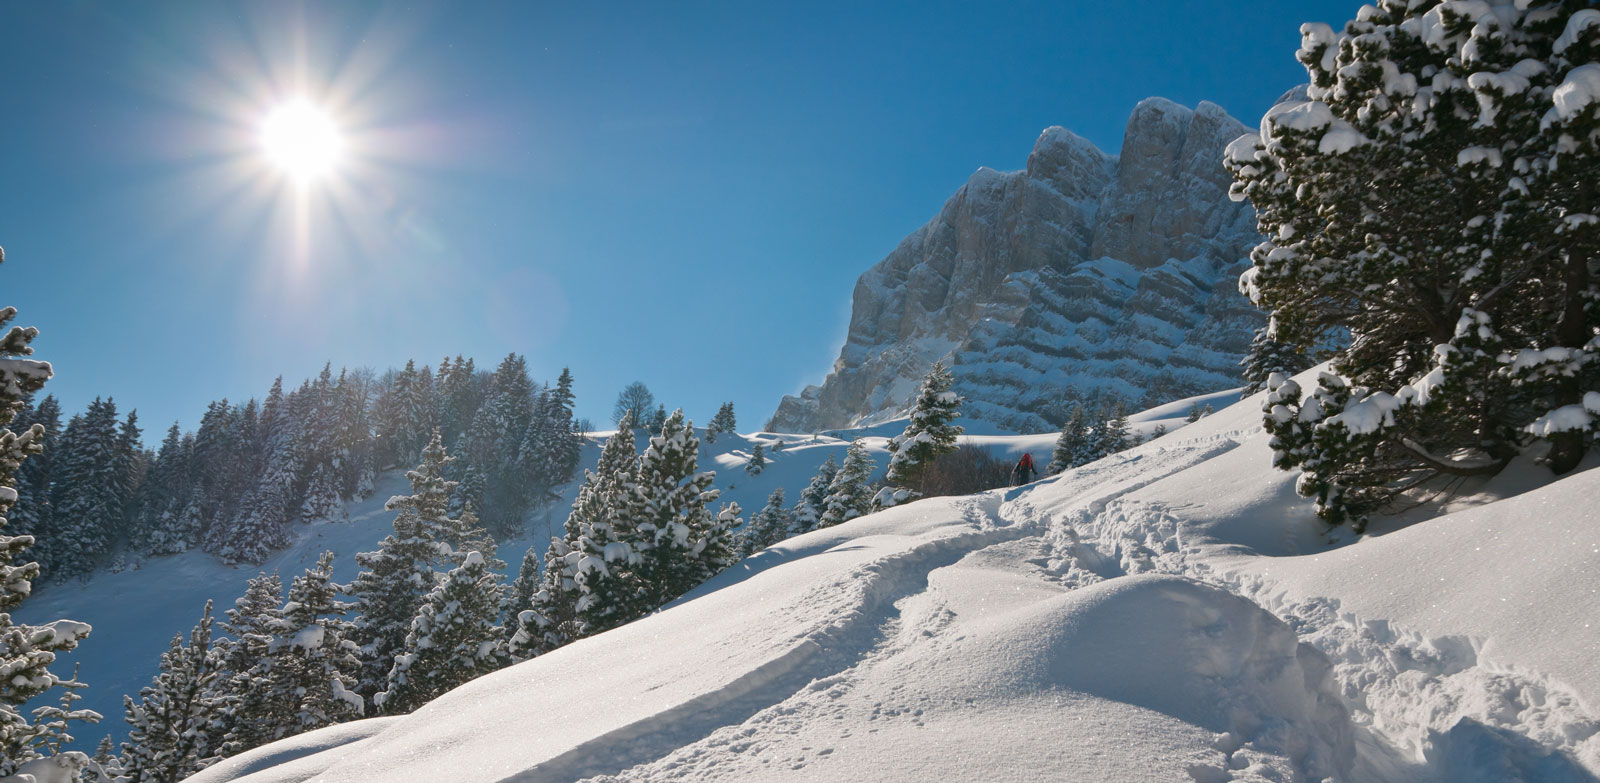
(1169, 613)
(1084, 273)
(130, 635)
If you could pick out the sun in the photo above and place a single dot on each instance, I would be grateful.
(301, 140)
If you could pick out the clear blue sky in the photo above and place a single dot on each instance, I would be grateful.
(679, 193)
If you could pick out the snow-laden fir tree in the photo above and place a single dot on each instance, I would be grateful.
(243, 663)
(850, 493)
(724, 421)
(454, 638)
(106, 766)
(310, 682)
(495, 476)
(757, 461)
(658, 420)
(87, 487)
(681, 542)
(161, 527)
(395, 578)
(54, 724)
(26, 651)
(808, 510)
(767, 527)
(1268, 355)
(323, 502)
(1433, 199)
(171, 727)
(583, 568)
(33, 512)
(929, 433)
(1070, 445)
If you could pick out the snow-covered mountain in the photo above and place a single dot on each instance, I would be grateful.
(1083, 271)
(1170, 613)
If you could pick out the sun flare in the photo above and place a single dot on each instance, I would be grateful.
(301, 140)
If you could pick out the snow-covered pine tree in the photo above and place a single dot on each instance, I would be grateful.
(311, 679)
(813, 500)
(1431, 199)
(396, 577)
(757, 461)
(323, 503)
(170, 727)
(929, 434)
(724, 421)
(26, 651)
(1069, 448)
(106, 766)
(243, 663)
(493, 470)
(682, 543)
(87, 493)
(767, 527)
(583, 571)
(849, 494)
(156, 530)
(658, 420)
(1267, 356)
(32, 514)
(131, 465)
(454, 638)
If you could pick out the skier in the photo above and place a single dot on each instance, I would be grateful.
(1023, 472)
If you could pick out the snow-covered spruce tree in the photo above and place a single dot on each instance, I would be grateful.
(493, 471)
(243, 664)
(86, 493)
(929, 434)
(312, 674)
(396, 577)
(757, 461)
(170, 727)
(589, 571)
(26, 651)
(658, 420)
(767, 527)
(1433, 199)
(681, 542)
(454, 638)
(1069, 448)
(157, 529)
(106, 766)
(808, 510)
(32, 514)
(323, 503)
(1267, 356)
(849, 494)
(724, 421)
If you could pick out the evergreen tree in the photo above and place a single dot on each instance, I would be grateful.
(26, 651)
(244, 663)
(495, 473)
(929, 434)
(724, 421)
(170, 734)
(849, 495)
(1069, 449)
(658, 420)
(453, 639)
(813, 501)
(88, 490)
(309, 682)
(1267, 356)
(160, 528)
(33, 513)
(394, 579)
(1471, 326)
(583, 569)
(757, 461)
(680, 541)
(323, 502)
(767, 527)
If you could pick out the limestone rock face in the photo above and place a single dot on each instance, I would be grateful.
(1082, 274)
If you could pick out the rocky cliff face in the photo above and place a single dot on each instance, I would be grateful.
(1083, 274)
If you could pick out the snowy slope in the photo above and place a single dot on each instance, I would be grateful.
(1169, 613)
(135, 613)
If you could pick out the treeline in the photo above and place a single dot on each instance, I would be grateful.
(429, 610)
(236, 485)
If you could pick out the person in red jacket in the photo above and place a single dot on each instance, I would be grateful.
(1024, 471)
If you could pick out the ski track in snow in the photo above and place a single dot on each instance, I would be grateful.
(1418, 708)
